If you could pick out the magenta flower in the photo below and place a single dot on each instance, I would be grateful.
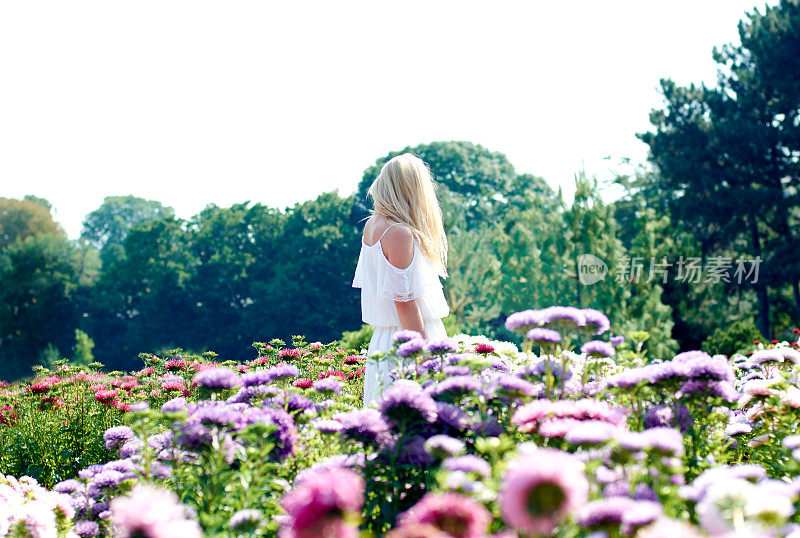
(541, 489)
(153, 513)
(454, 514)
(321, 502)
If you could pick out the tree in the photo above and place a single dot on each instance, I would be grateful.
(727, 156)
(41, 276)
(472, 180)
(23, 218)
(117, 215)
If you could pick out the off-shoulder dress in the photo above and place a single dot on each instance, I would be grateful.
(381, 285)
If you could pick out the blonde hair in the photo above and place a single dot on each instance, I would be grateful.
(405, 192)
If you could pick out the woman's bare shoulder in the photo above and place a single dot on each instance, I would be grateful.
(398, 245)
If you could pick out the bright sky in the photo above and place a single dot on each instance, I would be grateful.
(196, 102)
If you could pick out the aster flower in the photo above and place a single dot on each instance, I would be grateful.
(329, 384)
(175, 405)
(590, 432)
(401, 337)
(468, 464)
(604, 514)
(596, 321)
(598, 348)
(540, 489)
(453, 388)
(442, 446)
(407, 403)
(450, 418)
(541, 336)
(521, 322)
(151, 512)
(664, 416)
(85, 528)
(567, 317)
(411, 348)
(442, 346)
(617, 341)
(245, 520)
(217, 378)
(321, 499)
(454, 514)
(366, 426)
(116, 436)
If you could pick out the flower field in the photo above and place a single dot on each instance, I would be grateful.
(579, 432)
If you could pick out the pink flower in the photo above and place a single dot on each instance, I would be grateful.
(322, 500)
(303, 383)
(152, 512)
(455, 514)
(540, 489)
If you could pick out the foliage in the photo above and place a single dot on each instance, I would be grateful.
(737, 338)
(23, 218)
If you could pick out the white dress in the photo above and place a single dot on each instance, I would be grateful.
(381, 284)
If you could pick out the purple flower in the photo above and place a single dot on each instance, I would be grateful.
(455, 387)
(322, 497)
(327, 425)
(366, 426)
(175, 405)
(617, 341)
(411, 348)
(590, 432)
(468, 464)
(253, 393)
(540, 336)
(442, 446)
(604, 513)
(68, 486)
(538, 369)
(152, 512)
(285, 436)
(116, 436)
(453, 514)
(401, 337)
(596, 321)
(456, 370)
(540, 489)
(442, 346)
(412, 451)
(246, 519)
(511, 386)
(663, 416)
(563, 317)
(405, 402)
(521, 322)
(217, 378)
(598, 348)
(328, 384)
(290, 401)
(450, 418)
(86, 528)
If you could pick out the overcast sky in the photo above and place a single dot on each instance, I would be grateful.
(195, 102)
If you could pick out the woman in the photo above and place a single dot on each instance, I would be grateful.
(403, 254)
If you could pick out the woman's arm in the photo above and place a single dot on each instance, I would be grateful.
(398, 246)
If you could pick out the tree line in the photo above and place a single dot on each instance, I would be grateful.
(721, 184)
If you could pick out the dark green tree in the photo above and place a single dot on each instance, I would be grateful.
(41, 276)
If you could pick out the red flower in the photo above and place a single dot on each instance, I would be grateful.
(332, 373)
(289, 354)
(796, 331)
(485, 349)
(106, 396)
(773, 342)
(49, 402)
(45, 384)
(756, 341)
(7, 416)
(121, 406)
(173, 384)
(243, 367)
(259, 361)
(302, 383)
(174, 365)
(145, 371)
(357, 373)
(353, 359)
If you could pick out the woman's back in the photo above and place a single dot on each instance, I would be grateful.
(391, 267)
